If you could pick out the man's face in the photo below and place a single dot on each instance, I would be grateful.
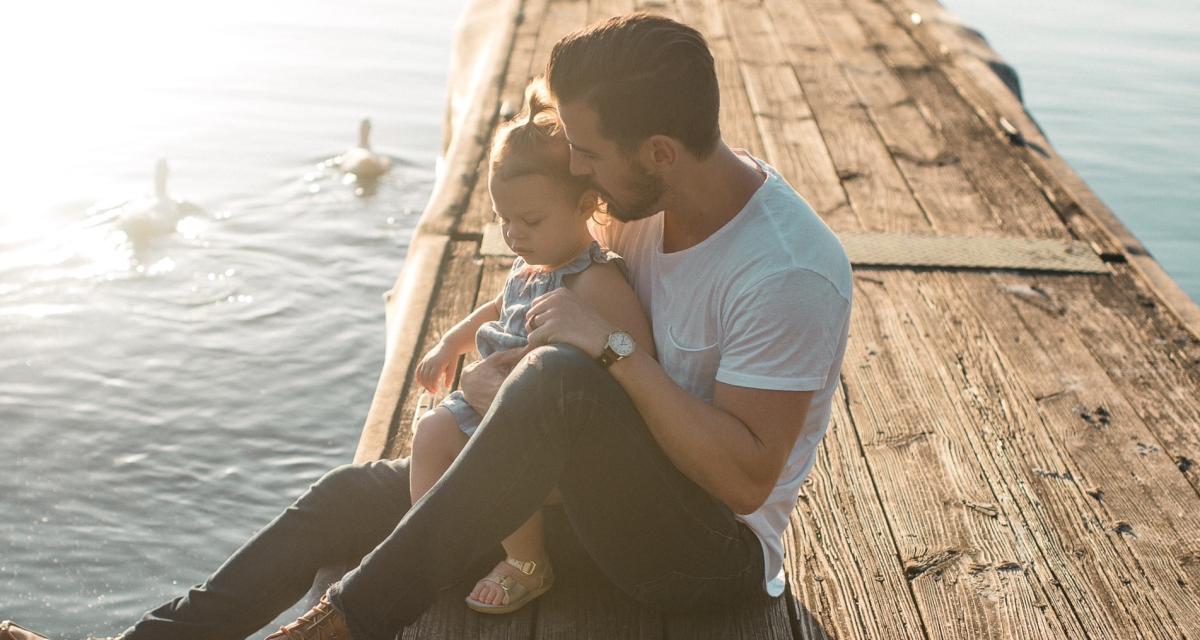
(631, 190)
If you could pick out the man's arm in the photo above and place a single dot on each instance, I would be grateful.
(603, 288)
(777, 347)
(734, 448)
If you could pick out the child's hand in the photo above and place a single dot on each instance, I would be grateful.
(437, 367)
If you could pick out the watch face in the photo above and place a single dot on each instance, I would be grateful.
(622, 343)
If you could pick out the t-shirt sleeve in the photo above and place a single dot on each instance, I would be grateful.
(783, 333)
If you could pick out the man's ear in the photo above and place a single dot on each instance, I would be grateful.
(660, 152)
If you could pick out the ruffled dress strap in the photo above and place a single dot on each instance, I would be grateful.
(593, 254)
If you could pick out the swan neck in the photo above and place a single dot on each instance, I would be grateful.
(364, 133)
(160, 180)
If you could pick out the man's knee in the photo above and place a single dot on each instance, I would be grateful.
(341, 482)
(360, 485)
(557, 359)
(559, 386)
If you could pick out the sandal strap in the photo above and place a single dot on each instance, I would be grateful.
(526, 567)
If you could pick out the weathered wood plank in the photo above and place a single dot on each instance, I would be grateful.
(997, 173)
(526, 62)
(1155, 518)
(791, 139)
(495, 273)
(929, 166)
(735, 120)
(1161, 513)
(766, 621)
(449, 617)
(1153, 360)
(898, 189)
(479, 206)
(579, 609)
(468, 144)
(969, 558)
(1039, 445)
(454, 298)
(961, 59)
(599, 10)
(561, 17)
(880, 198)
(843, 562)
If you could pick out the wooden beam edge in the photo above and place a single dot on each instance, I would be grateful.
(485, 66)
(406, 306)
(407, 303)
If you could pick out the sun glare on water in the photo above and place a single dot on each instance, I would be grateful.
(92, 91)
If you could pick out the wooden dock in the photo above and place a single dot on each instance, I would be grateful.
(1015, 453)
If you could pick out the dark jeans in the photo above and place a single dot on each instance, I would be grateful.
(559, 420)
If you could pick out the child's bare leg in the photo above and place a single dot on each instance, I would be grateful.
(528, 542)
(436, 443)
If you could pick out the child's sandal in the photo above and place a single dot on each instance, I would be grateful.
(518, 594)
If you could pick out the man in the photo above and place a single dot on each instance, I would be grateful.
(677, 476)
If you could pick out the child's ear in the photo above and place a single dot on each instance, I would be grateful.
(588, 202)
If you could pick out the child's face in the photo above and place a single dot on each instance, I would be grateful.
(542, 220)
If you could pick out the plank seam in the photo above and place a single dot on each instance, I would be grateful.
(866, 109)
(758, 125)
(862, 453)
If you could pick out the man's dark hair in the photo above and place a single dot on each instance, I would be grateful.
(644, 75)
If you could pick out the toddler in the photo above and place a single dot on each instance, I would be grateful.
(544, 212)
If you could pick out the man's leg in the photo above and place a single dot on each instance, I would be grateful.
(654, 532)
(339, 519)
(561, 420)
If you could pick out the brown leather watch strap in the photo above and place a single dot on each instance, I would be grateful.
(607, 357)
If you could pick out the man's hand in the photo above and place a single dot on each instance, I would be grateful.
(561, 317)
(482, 379)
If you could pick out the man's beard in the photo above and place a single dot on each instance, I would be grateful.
(646, 190)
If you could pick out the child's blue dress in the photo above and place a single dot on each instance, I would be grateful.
(522, 286)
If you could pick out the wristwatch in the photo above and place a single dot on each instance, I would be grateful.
(620, 345)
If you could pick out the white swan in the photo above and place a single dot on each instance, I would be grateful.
(361, 161)
(148, 218)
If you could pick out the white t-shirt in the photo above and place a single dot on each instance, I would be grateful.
(764, 302)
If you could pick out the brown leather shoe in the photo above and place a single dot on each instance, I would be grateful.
(322, 622)
(10, 631)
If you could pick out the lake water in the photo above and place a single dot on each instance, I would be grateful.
(162, 400)
(1115, 84)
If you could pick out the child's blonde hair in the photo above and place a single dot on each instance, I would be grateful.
(533, 143)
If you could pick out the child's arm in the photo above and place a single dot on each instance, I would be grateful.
(604, 288)
(461, 337)
(437, 367)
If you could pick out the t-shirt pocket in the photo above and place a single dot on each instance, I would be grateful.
(691, 355)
